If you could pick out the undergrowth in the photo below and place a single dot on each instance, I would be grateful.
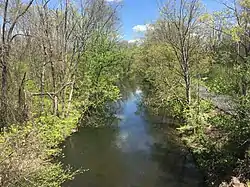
(27, 152)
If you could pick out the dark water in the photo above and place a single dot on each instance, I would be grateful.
(133, 153)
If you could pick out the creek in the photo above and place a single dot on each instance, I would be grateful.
(132, 152)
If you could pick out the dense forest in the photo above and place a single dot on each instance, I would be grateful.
(63, 62)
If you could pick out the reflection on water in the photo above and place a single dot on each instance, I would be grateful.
(129, 154)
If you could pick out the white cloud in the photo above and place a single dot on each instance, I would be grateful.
(134, 41)
(137, 41)
(116, 1)
(142, 28)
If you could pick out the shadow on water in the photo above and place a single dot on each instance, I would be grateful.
(133, 152)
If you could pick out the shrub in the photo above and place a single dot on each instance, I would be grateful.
(26, 152)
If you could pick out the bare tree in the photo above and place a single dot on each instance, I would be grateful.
(9, 22)
(44, 46)
(179, 29)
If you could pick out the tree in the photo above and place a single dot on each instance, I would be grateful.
(45, 47)
(178, 27)
(10, 19)
(232, 38)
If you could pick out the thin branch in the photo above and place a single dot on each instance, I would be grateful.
(4, 22)
(14, 36)
(16, 19)
(51, 94)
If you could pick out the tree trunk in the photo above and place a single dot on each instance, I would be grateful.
(22, 101)
(42, 86)
(63, 95)
(70, 96)
(3, 116)
(4, 97)
(55, 105)
(55, 98)
(188, 88)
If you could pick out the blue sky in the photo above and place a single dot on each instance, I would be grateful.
(137, 12)
(141, 12)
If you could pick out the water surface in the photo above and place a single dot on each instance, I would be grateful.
(135, 152)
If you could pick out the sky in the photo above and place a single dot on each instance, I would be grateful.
(136, 14)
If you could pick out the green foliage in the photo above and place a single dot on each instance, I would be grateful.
(223, 80)
(248, 183)
(50, 175)
(72, 69)
(219, 142)
(104, 64)
(53, 130)
(156, 67)
(26, 152)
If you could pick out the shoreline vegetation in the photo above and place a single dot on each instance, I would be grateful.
(60, 66)
(187, 49)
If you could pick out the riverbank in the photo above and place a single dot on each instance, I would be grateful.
(214, 137)
(206, 130)
(27, 151)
